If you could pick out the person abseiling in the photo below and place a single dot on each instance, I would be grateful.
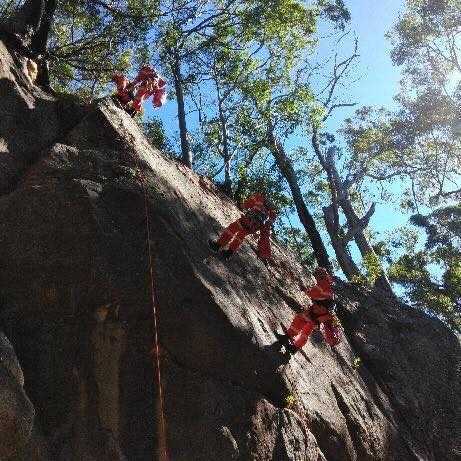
(123, 95)
(321, 312)
(150, 84)
(259, 216)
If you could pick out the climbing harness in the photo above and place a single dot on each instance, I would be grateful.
(258, 216)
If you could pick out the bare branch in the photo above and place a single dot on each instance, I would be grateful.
(361, 225)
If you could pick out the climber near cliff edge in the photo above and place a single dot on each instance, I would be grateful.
(150, 84)
(123, 96)
(321, 312)
(259, 216)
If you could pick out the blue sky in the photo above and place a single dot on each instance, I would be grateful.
(370, 21)
(374, 80)
(378, 79)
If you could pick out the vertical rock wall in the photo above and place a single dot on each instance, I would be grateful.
(76, 303)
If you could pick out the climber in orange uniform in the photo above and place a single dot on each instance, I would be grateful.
(150, 84)
(123, 95)
(321, 312)
(259, 216)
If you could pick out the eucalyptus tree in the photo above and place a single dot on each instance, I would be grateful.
(426, 45)
(223, 67)
(195, 27)
(284, 109)
(186, 28)
(436, 292)
(420, 142)
(78, 44)
(274, 99)
(417, 144)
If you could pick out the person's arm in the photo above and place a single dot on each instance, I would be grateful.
(161, 84)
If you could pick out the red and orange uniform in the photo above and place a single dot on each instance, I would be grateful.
(319, 313)
(150, 84)
(123, 93)
(259, 216)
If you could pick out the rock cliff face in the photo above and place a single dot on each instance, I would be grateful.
(75, 302)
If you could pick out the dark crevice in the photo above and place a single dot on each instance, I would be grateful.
(354, 428)
(290, 301)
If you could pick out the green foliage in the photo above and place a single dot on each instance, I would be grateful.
(426, 45)
(336, 12)
(439, 294)
(372, 266)
(155, 133)
(7, 8)
(297, 241)
(425, 39)
(290, 401)
(90, 40)
(360, 280)
(356, 362)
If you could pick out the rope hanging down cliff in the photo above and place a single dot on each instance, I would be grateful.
(162, 435)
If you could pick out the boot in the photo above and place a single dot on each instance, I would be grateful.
(292, 349)
(130, 111)
(215, 246)
(227, 253)
(284, 340)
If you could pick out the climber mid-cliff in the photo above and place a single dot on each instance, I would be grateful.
(150, 84)
(321, 312)
(259, 216)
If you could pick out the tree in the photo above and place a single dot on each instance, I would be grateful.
(426, 127)
(79, 44)
(184, 32)
(440, 294)
(342, 221)
(426, 40)
(275, 103)
(199, 25)
(155, 133)
(27, 29)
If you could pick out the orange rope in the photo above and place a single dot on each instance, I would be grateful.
(163, 440)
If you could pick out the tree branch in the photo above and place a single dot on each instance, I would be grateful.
(361, 225)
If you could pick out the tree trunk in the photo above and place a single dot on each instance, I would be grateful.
(344, 260)
(331, 213)
(288, 172)
(39, 43)
(26, 21)
(340, 196)
(186, 154)
(225, 152)
(362, 241)
(27, 32)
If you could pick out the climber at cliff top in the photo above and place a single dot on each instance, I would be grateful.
(321, 312)
(150, 84)
(123, 95)
(259, 216)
